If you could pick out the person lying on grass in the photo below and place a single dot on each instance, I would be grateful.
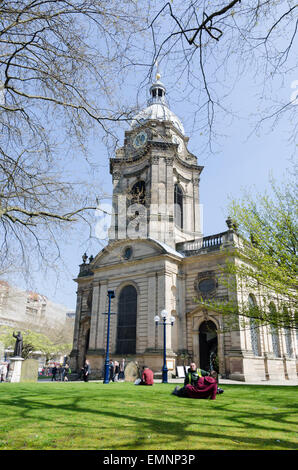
(197, 385)
(193, 375)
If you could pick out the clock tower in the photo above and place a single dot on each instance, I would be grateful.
(158, 263)
(155, 178)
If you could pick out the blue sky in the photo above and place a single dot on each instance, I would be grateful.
(243, 159)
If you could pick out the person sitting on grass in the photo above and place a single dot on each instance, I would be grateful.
(147, 377)
(199, 383)
(206, 387)
(194, 374)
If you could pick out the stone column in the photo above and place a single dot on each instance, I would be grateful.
(151, 311)
(167, 301)
(197, 225)
(75, 350)
(181, 311)
(153, 215)
(94, 316)
(113, 229)
(103, 302)
(160, 307)
(169, 202)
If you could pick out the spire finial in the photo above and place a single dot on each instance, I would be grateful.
(157, 89)
(157, 76)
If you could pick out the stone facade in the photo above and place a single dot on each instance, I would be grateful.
(156, 247)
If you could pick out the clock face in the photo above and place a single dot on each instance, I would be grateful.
(178, 141)
(140, 140)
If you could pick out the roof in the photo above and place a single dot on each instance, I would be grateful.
(158, 112)
(168, 248)
(157, 108)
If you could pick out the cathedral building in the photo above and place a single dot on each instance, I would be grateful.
(157, 258)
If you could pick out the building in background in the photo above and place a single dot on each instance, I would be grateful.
(157, 258)
(22, 310)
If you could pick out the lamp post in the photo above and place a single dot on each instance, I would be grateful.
(164, 315)
(111, 295)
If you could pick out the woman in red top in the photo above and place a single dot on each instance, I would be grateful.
(147, 376)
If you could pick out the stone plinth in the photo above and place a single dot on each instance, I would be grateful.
(131, 372)
(29, 371)
(15, 369)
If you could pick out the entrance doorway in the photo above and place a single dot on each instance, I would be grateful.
(208, 345)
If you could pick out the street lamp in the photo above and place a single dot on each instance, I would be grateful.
(164, 315)
(111, 295)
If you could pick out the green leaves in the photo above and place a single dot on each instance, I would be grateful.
(32, 342)
(264, 259)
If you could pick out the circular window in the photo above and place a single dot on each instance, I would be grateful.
(127, 253)
(207, 285)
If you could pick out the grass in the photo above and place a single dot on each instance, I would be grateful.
(121, 416)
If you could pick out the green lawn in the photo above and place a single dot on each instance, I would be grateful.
(121, 416)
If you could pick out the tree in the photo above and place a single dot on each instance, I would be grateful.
(215, 44)
(60, 65)
(263, 264)
(34, 342)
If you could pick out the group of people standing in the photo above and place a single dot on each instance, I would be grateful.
(60, 373)
(117, 370)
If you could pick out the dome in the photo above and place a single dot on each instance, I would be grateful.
(159, 112)
(157, 108)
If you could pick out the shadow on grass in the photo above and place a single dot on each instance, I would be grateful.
(177, 420)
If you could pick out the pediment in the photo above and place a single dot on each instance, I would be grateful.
(124, 251)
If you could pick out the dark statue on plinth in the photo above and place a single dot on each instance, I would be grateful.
(19, 344)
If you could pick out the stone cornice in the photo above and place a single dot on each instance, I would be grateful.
(134, 262)
(194, 258)
(144, 154)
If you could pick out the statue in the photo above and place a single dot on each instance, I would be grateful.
(19, 344)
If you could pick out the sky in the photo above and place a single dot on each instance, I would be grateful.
(243, 159)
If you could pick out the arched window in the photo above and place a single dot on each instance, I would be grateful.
(138, 193)
(178, 205)
(254, 330)
(274, 331)
(127, 318)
